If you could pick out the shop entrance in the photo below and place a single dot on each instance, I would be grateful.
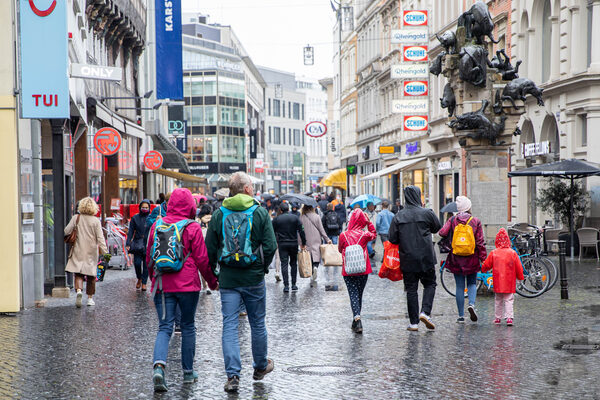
(447, 190)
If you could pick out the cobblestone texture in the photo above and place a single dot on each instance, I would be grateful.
(105, 352)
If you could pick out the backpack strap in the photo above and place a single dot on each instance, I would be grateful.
(467, 223)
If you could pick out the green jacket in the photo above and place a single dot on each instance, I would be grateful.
(262, 234)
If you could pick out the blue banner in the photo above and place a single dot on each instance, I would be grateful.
(44, 59)
(169, 63)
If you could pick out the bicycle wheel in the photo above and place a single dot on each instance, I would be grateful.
(449, 284)
(537, 277)
(553, 271)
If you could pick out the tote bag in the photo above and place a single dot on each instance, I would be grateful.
(330, 255)
(304, 264)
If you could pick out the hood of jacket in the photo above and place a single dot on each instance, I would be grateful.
(412, 196)
(463, 217)
(502, 239)
(358, 220)
(181, 204)
(239, 202)
(144, 201)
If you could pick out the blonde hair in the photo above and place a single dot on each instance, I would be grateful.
(87, 206)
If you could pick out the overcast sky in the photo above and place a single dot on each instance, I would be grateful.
(274, 32)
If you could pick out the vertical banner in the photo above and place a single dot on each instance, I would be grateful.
(169, 64)
(178, 127)
(253, 145)
(44, 59)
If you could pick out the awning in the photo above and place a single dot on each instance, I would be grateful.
(218, 177)
(118, 122)
(172, 157)
(180, 176)
(256, 180)
(336, 178)
(396, 167)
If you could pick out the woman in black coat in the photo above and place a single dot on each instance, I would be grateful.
(136, 244)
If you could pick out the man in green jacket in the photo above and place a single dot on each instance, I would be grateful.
(246, 283)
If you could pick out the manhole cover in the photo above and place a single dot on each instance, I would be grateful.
(324, 370)
(578, 348)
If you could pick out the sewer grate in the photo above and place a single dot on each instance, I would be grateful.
(578, 347)
(325, 370)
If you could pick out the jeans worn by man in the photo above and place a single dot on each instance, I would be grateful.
(242, 284)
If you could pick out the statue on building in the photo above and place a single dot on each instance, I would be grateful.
(473, 63)
(478, 23)
(449, 100)
(517, 90)
(481, 125)
(436, 65)
(502, 63)
(448, 41)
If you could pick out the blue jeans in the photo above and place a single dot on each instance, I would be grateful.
(370, 248)
(254, 297)
(141, 270)
(334, 239)
(187, 301)
(460, 291)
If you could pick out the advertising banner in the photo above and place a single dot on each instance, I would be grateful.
(416, 123)
(177, 128)
(44, 59)
(410, 36)
(169, 64)
(253, 137)
(415, 53)
(414, 17)
(411, 71)
(416, 88)
(410, 106)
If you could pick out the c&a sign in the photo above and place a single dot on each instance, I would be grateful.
(44, 59)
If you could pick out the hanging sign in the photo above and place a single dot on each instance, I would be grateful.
(415, 123)
(107, 141)
(387, 149)
(413, 148)
(315, 129)
(408, 36)
(415, 53)
(536, 149)
(153, 160)
(410, 71)
(414, 18)
(169, 49)
(410, 106)
(416, 88)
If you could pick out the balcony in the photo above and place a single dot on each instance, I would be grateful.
(120, 21)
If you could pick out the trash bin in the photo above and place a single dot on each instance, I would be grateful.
(567, 238)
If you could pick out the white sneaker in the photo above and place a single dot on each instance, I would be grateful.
(413, 328)
(91, 302)
(314, 274)
(78, 299)
(426, 319)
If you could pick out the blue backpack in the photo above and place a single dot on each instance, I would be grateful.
(167, 251)
(237, 246)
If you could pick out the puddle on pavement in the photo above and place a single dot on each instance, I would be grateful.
(593, 310)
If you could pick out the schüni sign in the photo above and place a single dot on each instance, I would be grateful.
(96, 72)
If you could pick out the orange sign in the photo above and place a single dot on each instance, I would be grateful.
(386, 150)
(153, 160)
(107, 141)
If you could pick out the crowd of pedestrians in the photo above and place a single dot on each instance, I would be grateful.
(186, 245)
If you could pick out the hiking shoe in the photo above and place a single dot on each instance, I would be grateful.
(158, 377)
(90, 302)
(426, 319)
(472, 313)
(357, 326)
(294, 288)
(286, 289)
(460, 320)
(413, 327)
(497, 321)
(78, 299)
(509, 322)
(232, 384)
(260, 373)
(190, 377)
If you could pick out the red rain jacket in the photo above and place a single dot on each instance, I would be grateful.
(356, 235)
(505, 265)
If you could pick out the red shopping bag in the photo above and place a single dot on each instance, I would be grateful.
(390, 267)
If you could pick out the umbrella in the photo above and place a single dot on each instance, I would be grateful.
(209, 197)
(267, 196)
(449, 208)
(299, 198)
(222, 193)
(566, 169)
(364, 199)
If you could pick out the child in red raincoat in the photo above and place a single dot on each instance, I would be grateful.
(506, 269)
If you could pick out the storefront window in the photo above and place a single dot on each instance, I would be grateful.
(418, 178)
(232, 149)
(231, 116)
(203, 148)
(94, 158)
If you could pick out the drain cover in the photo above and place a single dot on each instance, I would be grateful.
(324, 370)
(580, 347)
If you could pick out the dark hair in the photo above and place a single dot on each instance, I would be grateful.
(284, 207)
(385, 204)
(306, 209)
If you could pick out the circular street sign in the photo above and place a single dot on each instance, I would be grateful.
(107, 141)
(315, 129)
(153, 160)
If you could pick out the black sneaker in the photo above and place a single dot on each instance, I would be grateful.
(357, 326)
(177, 330)
(472, 313)
(460, 320)
(260, 373)
(294, 288)
(286, 289)
(232, 384)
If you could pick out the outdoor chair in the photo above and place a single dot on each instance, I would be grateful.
(588, 237)
(551, 237)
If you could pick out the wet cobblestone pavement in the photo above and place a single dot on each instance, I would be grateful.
(105, 352)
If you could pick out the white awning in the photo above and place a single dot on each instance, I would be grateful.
(256, 180)
(396, 167)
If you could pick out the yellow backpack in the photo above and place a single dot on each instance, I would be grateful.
(463, 240)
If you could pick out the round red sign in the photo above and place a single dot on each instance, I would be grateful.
(315, 129)
(153, 160)
(107, 141)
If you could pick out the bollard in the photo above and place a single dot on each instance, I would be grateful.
(564, 284)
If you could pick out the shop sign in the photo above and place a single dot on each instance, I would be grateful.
(411, 71)
(230, 168)
(416, 88)
(414, 18)
(444, 165)
(27, 215)
(413, 148)
(204, 168)
(315, 129)
(387, 149)
(536, 149)
(169, 60)
(259, 164)
(253, 142)
(44, 82)
(410, 36)
(153, 160)
(99, 72)
(259, 170)
(414, 53)
(410, 106)
(107, 141)
(416, 123)
(351, 169)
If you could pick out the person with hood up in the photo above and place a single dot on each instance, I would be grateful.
(465, 267)
(341, 212)
(245, 284)
(137, 246)
(355, 234)
(506, 269)
(180, 289)
(411, 229)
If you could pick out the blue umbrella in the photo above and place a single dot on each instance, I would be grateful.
(364, 199)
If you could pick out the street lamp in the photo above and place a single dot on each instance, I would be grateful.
(155, 107)
(309, 55)
(145, 96)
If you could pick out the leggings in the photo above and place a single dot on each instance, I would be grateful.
(356, 286)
